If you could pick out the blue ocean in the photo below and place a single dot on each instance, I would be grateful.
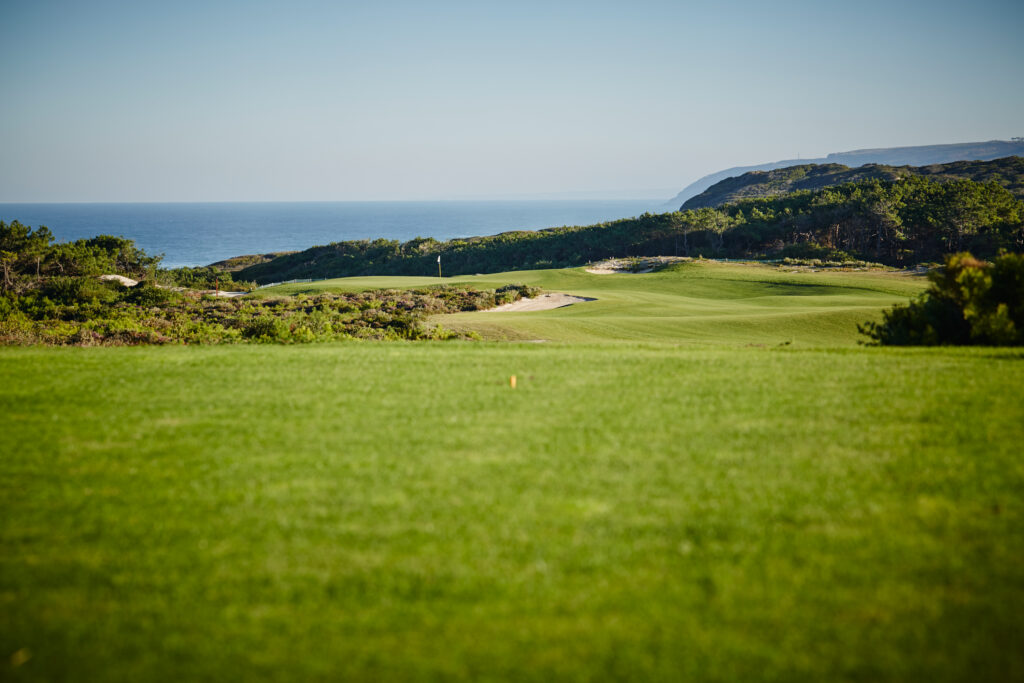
(198, 234)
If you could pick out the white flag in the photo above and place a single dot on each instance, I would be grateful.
(438, 258)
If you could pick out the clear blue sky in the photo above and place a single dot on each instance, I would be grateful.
(300, 100)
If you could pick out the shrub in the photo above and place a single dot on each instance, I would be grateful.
(813, 250)
(147, 314)
(266, 328)
(204, 277)
(148, 295)
(969, 302)
(69, 291)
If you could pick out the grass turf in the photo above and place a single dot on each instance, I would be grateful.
(696, 303)
(682, 508)
(396, 511)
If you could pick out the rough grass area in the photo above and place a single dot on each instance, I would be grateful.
(89, 313)
(369, 511)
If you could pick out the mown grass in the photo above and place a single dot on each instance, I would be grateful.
(369, 511)
(685, 508)
(696, 303)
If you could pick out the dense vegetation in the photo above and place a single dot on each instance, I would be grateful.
(27, 256)
(969, 302)
(202, 278)
(30, 257)
(1008, 172)
(88, 312)
(923, 155)
(51, 295)
(236, 263)
(894, 222)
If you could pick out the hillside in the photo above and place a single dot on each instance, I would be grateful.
(899, 223)
(1008, 172)
(925, 155)
(236, 263)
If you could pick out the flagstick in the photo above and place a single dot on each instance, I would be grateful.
(439, 266)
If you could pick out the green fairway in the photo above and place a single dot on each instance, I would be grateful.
(372, 511)
(656, 500)
(701, 302)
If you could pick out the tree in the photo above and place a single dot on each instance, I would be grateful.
(22, 250)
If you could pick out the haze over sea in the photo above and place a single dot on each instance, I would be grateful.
(192, 234)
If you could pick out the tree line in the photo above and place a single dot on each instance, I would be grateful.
(29, 258)
(899, 222)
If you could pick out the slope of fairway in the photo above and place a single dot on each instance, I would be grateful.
(397, 512)
(697, 302)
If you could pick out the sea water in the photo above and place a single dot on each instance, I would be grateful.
(191, 234)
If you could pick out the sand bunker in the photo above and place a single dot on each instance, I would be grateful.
(543, 302)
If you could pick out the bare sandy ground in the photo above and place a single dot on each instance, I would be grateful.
(645, 264)
(543, 302)
(609, 270)
(120, 279)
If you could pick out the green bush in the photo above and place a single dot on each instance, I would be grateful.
(204, 277)
(147, 294)
(969, 302)
(813, 250)
(147, 314)
(69, 291)
(266, 328)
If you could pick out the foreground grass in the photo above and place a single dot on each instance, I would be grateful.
(700, 302)
(396, 511)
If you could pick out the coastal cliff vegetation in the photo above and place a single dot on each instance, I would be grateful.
(899, 222)
(1007, 172)
(31, 258)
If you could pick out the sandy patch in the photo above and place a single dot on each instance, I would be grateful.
(120, 279)
(544, 302)
(607, 270)
(647, 264)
